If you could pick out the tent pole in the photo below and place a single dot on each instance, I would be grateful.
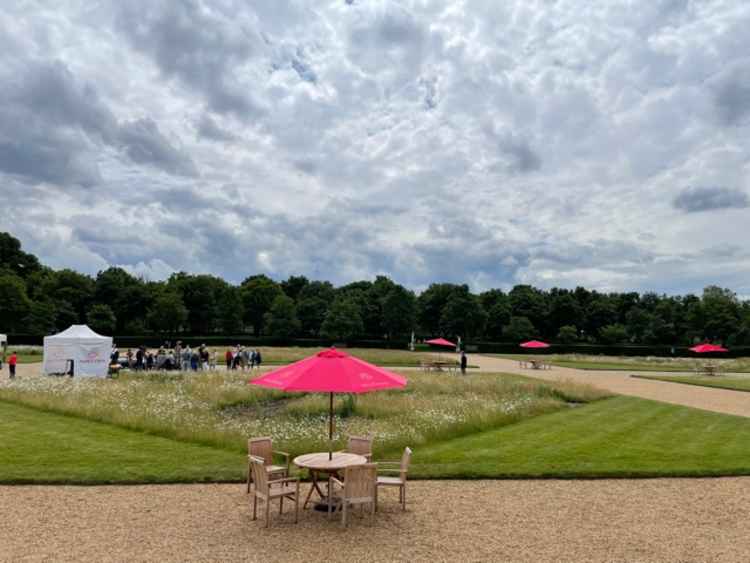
(330, 429)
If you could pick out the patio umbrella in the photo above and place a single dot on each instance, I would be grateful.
(440, 342)
(705, 348)
(330, 371)
(534, 344)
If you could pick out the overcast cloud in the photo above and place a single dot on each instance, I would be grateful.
(549, 142)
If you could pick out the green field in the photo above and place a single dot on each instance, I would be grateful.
(736, 383)
(617, 437)
(41, 447)
(619, 363)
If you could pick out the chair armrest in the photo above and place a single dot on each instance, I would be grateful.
(282, 454)
(336, 481)
(283, 480)
(390, 471)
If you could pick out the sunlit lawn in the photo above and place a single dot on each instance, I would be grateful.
(617, 437)
(41, 447)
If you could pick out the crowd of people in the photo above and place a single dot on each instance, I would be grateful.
(184, 358)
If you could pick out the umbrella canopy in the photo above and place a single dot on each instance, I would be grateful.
(534, 344)
(330, 371)
(704, 348)
(440, 342)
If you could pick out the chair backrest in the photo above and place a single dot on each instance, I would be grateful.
(405, 461)
(359, 445)
(262, 448)
(260, 475)
(360, 482)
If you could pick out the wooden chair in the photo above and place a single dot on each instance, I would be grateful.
(267, 490)
(359, 488)
(263, 448)
(360, 445)
(399, 467)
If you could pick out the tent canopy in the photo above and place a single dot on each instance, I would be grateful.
(88, 350)
(3, 339)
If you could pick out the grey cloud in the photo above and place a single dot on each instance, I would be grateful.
(200, 46)
(209, 129)
(145, 144)
(733, 95)
(693, 200)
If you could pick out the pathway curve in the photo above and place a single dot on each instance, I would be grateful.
(706, 398)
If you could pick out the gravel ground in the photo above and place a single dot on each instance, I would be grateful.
(700, 520)
(619, 382)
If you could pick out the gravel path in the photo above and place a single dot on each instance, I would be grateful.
(537, 521)
(706, 398)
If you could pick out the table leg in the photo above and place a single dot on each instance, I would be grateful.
(315, 487)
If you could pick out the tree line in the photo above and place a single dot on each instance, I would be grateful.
(38, 300)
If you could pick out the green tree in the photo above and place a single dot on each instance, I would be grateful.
(101, 319)
(463, 315)
(721, 310)
(41, 318)
(15, 260)
(343, 320)
(293, 285)
(168, 313)
(564, 310)
(230, 310)
(613, 334)
(14, 303)
(312, 306)
(430, 304)
(258, 293)
(200, 294)
(519, 329)
(399, 311)
(527, 301)
(498, 317)
(567, 334)
(281, 320)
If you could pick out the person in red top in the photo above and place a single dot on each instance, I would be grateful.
(228, 357)
(12, 361)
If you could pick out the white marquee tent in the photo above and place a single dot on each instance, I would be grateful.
(89, 351)
(3, 339)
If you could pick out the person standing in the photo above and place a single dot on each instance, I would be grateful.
(228, 358)
(464, 362)
(12, 361)
(257, 358)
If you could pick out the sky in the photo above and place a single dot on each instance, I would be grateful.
(551, 142)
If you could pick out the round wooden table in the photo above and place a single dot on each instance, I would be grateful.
(318, 463)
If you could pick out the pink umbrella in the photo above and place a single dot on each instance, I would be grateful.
(440, 342)
(330, 371)
(704, 348)
(534, 344)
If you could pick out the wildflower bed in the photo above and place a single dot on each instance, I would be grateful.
(220, 409)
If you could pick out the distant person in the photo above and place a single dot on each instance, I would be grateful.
(464, 361)
(252, 359)
(187, 353)
(129, 356)
(228, 359)
(205, 357)
(258, 359)
(149, 360)
(12, 361)
(139, 359)
(194, 360)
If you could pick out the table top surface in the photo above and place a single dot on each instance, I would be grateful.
(321, 462)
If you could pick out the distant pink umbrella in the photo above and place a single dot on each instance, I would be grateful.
(705, 348)
(330, 371)
(440, 342)
(534, 344)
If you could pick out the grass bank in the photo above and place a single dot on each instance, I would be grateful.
(617, 437)
(618, 363)
(40, 447)
(735, 383)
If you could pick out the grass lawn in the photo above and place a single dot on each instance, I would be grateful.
(736, 383)
(618, 363)
(41, 447)
(617, 437)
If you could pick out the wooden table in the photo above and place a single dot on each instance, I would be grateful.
(537, 364)
(318, 463)
(709, 369)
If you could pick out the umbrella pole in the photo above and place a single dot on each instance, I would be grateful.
(330, 428)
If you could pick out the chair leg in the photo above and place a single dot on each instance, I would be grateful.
(249, 477)
(268, 510)
(403, 496)
(296, 505)
(344, 514)
(281, 505)
(255, 507)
